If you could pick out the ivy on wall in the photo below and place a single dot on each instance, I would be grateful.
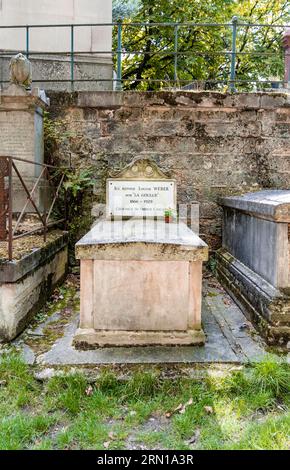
(76, 192)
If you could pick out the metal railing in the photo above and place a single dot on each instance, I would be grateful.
(9, 224)
(121, 54)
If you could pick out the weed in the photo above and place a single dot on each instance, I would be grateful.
(272, 374)
(67, 392)
(142, 385)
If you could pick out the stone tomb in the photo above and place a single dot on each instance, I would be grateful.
(140, 277)
(254, 261)
(22, 129)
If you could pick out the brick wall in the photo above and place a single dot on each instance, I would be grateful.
(214, 144)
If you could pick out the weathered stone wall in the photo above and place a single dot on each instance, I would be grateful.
(17, 137)
(98, 69)
(214, 144)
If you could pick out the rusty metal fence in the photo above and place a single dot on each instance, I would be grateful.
(10, 219)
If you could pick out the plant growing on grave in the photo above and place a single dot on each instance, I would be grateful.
(212, 264)
(168, 215)
(168, 212)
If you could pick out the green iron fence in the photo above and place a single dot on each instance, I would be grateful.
(124, 57)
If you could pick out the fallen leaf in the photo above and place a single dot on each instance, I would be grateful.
(280, 407)
(208, 409)
(188, 403)
(178, 408)
(181, 408)
(89, 391)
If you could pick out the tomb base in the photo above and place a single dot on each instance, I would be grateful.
(90, 338)
(140, 285)
(267, 307)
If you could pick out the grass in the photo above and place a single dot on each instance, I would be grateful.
(247, 409)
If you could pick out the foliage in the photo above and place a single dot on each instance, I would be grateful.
(124, 8)
(76, 191)
(74, 200)
(168, 213)
(55, 134)
(272, 374)
(75, 196)
(203, 48)
(212, 264)
(78, 180)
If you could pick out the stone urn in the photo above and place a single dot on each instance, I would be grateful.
(20, 71)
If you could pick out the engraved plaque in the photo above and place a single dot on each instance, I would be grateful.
(140, 198)
(141, 189)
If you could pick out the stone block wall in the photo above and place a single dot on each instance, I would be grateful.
(214, 144)
(97, 70)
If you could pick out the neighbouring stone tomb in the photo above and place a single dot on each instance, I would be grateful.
(22, 132)
(28, 281)
(140, 276)
(254, 262)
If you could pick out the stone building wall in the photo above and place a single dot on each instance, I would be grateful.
(50, 47)
(214, 144)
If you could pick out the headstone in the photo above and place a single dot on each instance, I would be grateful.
(254, 263)
(140, 276)
(141, 189)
